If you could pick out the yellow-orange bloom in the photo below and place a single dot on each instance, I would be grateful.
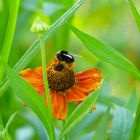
(65, 85)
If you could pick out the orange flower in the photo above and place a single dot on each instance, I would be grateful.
(65, 85)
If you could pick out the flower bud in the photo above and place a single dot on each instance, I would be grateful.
(39, 26)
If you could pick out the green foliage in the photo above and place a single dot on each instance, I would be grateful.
(7, 45)
(132, 102)
(135, 13)
(80, 113)
(122, 124)
(101, 131)
(106, 53)
(30, 97)
(4, 131)
(135, 132)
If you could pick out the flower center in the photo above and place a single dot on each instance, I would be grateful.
(60, 78)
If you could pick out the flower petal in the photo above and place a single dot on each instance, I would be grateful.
(34, 77)
(75, 94)
(88, 80)
(59, 105)
(91, 73)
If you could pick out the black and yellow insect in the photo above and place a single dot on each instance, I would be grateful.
(64, 59)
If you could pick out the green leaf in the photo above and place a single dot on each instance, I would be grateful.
(10, 121)
(5, 131)
(1, 124)
(106, 53)
(80, 113)
(7, 45)
(34, 48)
(29, 96)
(135, 14)
(101, 131)
(132, 102)
(135, 132)
(122, 124)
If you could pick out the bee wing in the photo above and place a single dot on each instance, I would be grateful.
(76, 56)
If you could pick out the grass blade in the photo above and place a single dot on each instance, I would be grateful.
(101, 131)
(122, 123)
(135, 14)
(46, 85)
(80, 113)
(5, 131)
(34, 48)
(106, 53)
(132, 102)
(10, 120)
(28, 95)
(135, 132)
(14, 6)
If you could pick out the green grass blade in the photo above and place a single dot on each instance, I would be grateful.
(135, 132)
(14, 6)
(101, 131)
(80, 113)
(135, 14)
(132, 102)
(34, 48)
(28, 95)
(5, 131)
(12, 117)
(122, 124)
(1, 124)
(47, 90)
(106, 53)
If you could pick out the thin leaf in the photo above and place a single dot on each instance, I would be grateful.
(135, 14)
(14, 6)
(1, 124)
(106, 53)
(34, 48)
(12, 117)
(46, 85)
(28, 95)
(80, 113)
(132, 102)
(135, 132)
(122, 124)
(101, 131)
(5, 131)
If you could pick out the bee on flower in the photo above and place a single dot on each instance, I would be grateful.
(65, 85)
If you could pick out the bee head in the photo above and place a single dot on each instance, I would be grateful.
(64, 56)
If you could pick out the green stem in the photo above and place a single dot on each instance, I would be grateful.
(46, 85)
(9, 33)
(65, 137)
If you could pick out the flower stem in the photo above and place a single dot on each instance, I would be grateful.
(47, 95)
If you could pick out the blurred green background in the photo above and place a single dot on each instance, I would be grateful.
(108, 20)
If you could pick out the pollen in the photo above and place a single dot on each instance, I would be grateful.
(60, 78)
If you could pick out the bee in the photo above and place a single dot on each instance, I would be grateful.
(64, 59)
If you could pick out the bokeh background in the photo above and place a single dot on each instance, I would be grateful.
(110, 21)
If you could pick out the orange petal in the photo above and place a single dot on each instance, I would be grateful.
(88, 87)
(88, 80)
(91, 73)
(34, 77)
(59, 105)
(75, 94)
